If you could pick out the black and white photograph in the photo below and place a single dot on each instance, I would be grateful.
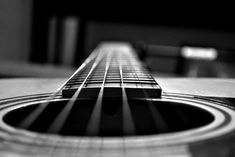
(116, 80)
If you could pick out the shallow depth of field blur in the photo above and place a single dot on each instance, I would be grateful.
(52, 38)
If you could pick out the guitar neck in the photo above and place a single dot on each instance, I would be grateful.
(112, 67)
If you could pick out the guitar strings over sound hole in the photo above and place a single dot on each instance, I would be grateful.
(149, 117)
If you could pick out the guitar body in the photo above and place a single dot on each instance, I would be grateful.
(211, 142)
(127, 113)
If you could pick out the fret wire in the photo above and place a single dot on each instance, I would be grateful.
(114, 81)
(140, 70)
(59, 121)
(135, 73)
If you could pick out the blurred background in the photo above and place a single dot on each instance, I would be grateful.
(51, 38)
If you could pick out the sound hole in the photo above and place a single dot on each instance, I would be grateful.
(149, 117)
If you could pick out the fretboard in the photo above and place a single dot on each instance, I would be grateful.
(112, 67)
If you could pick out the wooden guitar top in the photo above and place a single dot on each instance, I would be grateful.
(202, 87)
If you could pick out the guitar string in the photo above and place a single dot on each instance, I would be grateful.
(94, 122)
(133, 70)
(125, 101)
(125, 129)
(55, 144)
(158, 119)
(151, 105)
(79, 141)
(128, 124)
(58, 128)
(125, 150)
(122, 84)
(30, 119)
(59, 121)
(126, 108)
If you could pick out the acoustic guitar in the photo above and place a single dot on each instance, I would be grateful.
(112, 106)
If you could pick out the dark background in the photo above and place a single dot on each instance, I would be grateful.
(169, 24)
